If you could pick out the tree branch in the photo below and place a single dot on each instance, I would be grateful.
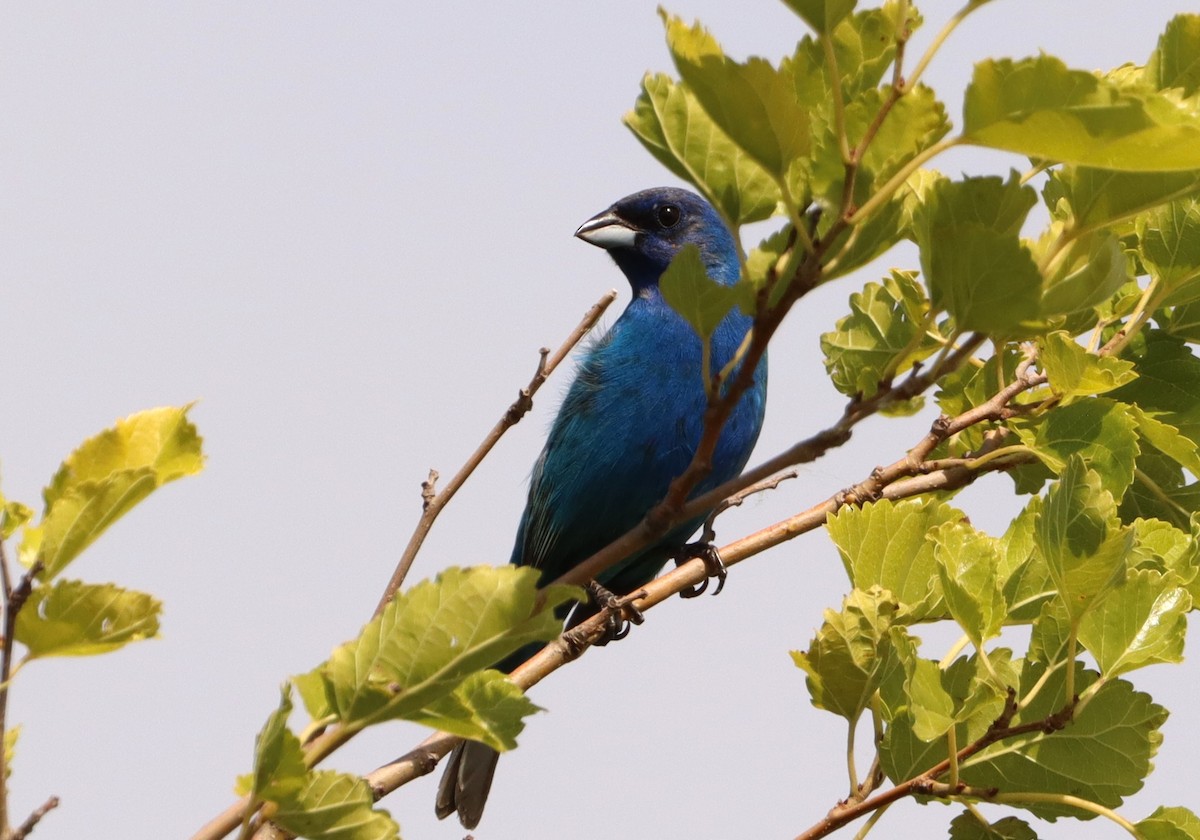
(24, 829)
(926, 783)
(14, 600)
(905, 478)
(660, 519)
(433, 502)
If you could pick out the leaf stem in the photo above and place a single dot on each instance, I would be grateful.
(1033, 692)
(885, 193)
(1151, 299)
(952, 757)
(1160, 494)
(871, 821)
(952, 654)
(1033, 797)
(839, 103)
(1072, 650)
(940, 39)
(851, 728)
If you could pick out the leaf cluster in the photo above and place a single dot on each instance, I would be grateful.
(426, 658)
(48, 615)
(1092, 318)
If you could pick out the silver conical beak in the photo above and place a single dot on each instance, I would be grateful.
(607, 231)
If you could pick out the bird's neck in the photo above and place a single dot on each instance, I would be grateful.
(643, 273)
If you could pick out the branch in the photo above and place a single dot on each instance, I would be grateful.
(24, 829)
(433, 502)
(906, 478)
(14, 599)
(926, 783)
(669, 513)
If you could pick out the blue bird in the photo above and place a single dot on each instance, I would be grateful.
(630, 423)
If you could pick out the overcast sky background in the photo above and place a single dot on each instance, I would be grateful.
(346, 229)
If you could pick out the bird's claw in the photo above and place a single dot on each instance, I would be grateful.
(713, 566)
(620, 613)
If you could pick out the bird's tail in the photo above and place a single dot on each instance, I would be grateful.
(466, 782)
(467, 779)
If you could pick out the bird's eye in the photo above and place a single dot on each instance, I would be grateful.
(668, 215)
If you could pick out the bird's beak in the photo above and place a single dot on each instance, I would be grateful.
(607, 231)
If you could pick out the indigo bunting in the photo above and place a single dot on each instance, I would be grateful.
(630, 423)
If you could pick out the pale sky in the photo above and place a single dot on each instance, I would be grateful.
(346, 230)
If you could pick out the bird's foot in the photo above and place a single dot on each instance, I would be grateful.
(713, 565)
(620, 613)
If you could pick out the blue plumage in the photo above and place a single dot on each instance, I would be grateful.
(629, 424)
(632, 418)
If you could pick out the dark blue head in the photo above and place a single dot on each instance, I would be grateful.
(643, 231)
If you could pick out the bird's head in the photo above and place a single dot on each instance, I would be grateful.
(643, 231)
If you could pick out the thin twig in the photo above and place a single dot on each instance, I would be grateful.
(23, 830)
(709, 534)
(926, 783)
(14, 599)
(433, 502)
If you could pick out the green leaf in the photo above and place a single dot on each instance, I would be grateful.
(1182, 322)
(930, 704)
(668, 120)
(1040, 108)
(10, 748)
(1026, 579)
(1093, 269)
(1175, 62)
(1092, 198)
(1140, 623)
(1098, 429)
(335, 806)
(279, 771)
(916, 122)
(1169, 247)
(160, 438)
(822, 15)
(968, 562)
(700, 300)
(1167, 550)
(72, 618)
(316, 693)
(974, 263)
(864, 47)
(1051, 632)
(866, 241)
(1117, 732)
(883, 336)
(13, 516)
(433, 636)
(109, 474)
(970, 386)
(851, 653)
(885, 544)
(1160, 491)
(485, 707)
(1075, 372)
(1170, 824)
(1080, 537)
(1166, 385)
(754, 103)
(967, 827)
(1167, 439)
(965, 694)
